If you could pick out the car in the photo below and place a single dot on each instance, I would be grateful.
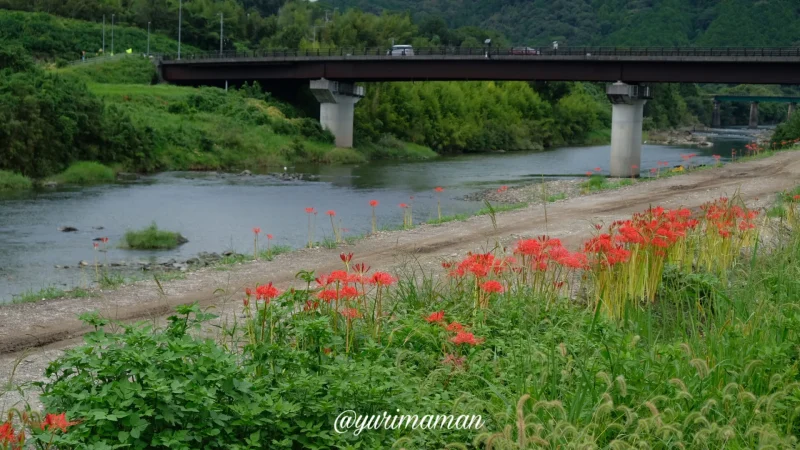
(401, 50)
(524, 51)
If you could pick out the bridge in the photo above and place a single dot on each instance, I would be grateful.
(334, 72)
(754, 101)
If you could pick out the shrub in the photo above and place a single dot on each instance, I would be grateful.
(344, 156)
(141, 389)
(312, 129)
(151, 238)
(10, 181)
(86, 172)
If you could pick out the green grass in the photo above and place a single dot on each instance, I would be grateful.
(501, 208)
(86, 172)
(274, 251)
(151, 238)
(597, 183)
(389, 147)
(10, 181)
(49, 293)
(132, 69)
(111, 280)
(556, 197)
(598, 137)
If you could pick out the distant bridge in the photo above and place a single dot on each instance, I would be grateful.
(332, 74)
(608, 64)
(754, 101)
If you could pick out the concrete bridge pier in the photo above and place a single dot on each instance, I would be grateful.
(715, 116)
(789, 113)
(753, 115)
(337, 105)
(626, 127)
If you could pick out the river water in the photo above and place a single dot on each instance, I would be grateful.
(217, 212)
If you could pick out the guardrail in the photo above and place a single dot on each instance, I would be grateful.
(491, 51)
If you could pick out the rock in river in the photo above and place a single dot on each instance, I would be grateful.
(67, 229)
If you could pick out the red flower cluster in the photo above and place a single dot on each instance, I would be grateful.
(462, 337)
(436, 317)
(726, 218)
(57, 421)
(266, 292)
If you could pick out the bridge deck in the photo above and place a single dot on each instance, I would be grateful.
(727, 65)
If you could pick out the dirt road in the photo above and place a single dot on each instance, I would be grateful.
(43, 328)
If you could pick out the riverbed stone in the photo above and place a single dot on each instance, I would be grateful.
(83, 263)
(127, 176)
(67, 229)
(245, 173)
(181, 239)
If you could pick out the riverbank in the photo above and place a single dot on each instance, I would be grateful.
(45, 328)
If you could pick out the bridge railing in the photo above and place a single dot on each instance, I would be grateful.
(493, 51)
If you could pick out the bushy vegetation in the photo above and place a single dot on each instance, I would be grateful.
(86, 172)
(664, 350)
(10, 181)
(132, 69)
(641, 23)
(787, 132)
(152, 238)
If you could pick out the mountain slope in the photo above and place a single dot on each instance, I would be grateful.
(615, 22)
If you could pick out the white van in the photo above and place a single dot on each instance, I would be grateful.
(401, 50)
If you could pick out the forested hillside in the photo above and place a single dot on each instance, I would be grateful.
(613, 22)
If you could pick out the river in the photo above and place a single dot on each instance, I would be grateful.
(217, 212)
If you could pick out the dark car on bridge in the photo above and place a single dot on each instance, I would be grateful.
(524, 51)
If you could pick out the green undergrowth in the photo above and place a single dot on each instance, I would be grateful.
(131, 69)
(10, 181)
(49, 293)
(709, 364)
(152, 238)
(85, 172)
(782, 202)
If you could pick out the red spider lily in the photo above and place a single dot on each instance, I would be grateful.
(57, 421)
(331, 213)
(403, 205)
(328, 295)
(105, 240)
(654, 170)
(455, 327)
(246, 301)
(466, 338)
(327, 350)
(447, 264)
(438, 189)
(95, 245)
(597, 169)
(382, 279)
(361, 268)
(346, 257)
(348, 292)
(589, 173)
(267, 292)
(311, 306)
(351, 313)
(373, 203)
(338, 276)
(716, 157)
(453, 360)
(7, 434)
(256, 230)
(311, 211)
(492, 286)
(796, 197)
(248, 292)
(269, 236)
(502, 189)
(436, 317)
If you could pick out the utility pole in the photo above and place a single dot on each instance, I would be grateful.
(148, 38)
(104, 35)
(220, 34)
(112, 34)
(180, 19)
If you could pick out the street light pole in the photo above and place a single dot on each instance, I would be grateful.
(180, 19)
(112, 34)
(220, 34)
(148, 38)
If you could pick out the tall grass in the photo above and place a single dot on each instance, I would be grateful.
(11, 181)
(153, 238)
(86, 172)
